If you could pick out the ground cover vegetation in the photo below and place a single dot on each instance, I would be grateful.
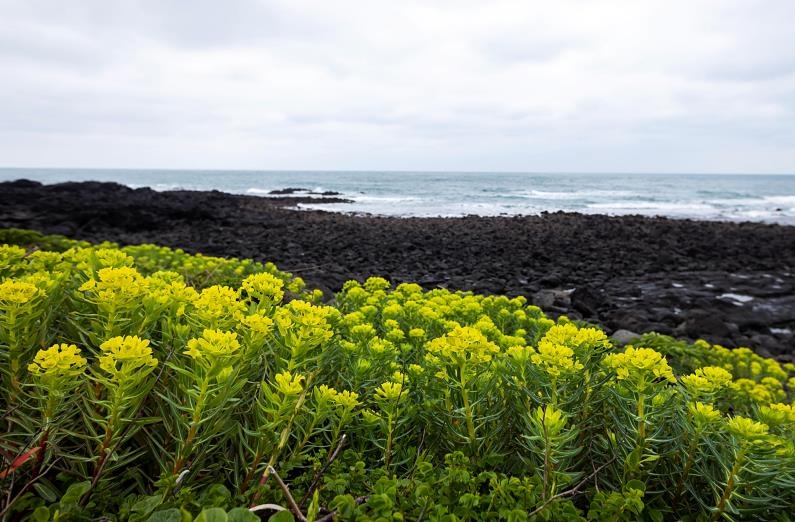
(143, 383)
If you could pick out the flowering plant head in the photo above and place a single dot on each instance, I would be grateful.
(16, 293)
(746, 429)
(127, 357)
(259, 324)
(555, 360)
(778, 414)
(303, 326)
(56, 363)
(707, 380)
(212, 347)
(289, 384)
(217, 306)
(703, 414)
(568, 334)
(639, 366)
(123, 284)
(389, 391)
(263, 287)
(464, 344)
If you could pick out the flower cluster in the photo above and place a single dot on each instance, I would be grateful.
(14, 293)
(213, 346)
(126, 357)
(57, 361)
(289, 384)
(639, 365)
(464, 344)
(263, 287)
(707, 380)
(555, 360)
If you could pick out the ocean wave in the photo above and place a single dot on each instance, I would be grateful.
(577, 194)
(662, 206)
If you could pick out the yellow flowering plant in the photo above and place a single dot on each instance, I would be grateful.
(390, 402)
(122, 374)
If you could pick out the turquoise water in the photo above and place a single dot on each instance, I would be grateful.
(765, 198)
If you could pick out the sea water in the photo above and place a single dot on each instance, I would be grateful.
(749, 197)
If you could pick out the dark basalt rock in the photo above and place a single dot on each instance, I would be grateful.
(728, 282)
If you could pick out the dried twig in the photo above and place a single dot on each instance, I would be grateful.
(293, 506)
(321, 471)
(263, 507)
(570, 492)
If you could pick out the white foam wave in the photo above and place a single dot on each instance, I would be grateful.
(780, 200)
(662, 206)
(577, 194)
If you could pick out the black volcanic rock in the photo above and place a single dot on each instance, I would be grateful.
(731, 282)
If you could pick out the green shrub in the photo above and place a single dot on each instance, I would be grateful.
(143, 383)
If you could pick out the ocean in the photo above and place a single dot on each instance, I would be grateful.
(751, 197)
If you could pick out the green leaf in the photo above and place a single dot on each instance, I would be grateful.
(212, 515)
(147, 504)
(73, 495)
(41, 514)
(46, 491)
(216, 495)
(166, 515)
(241, 514)
(282, 516)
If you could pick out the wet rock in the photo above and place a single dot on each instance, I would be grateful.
(705, 325)
(622, 337)
(586, 301)
(623, 269)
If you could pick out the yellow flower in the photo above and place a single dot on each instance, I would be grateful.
(778, 413)
(289, 384)
(16, 293)
(263, 286)
(555, 359)
(303, 325)
(123, 284)
(639, 365)
(389, 391)
(703, 414)
(59, 360)
(213, 345)
(417, 333)
(217, 304)
(746, 428)
(553, 419)
(374, 284)
(707, 380)
(568, 334)
(520, 353)
(346, 399)
(464, 343)
(258, 323)
(126, 356)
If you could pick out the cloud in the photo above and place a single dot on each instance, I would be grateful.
(573, 85)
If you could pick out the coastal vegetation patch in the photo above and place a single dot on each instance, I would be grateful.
(144, 383)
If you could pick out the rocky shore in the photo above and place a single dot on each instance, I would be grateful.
(729, 283)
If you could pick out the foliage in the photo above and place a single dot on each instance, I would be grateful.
(143, 383)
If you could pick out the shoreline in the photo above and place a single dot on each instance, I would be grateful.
(731, 283)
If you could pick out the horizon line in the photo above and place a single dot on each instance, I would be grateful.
(403, 171)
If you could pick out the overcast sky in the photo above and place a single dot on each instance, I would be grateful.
(539, 86)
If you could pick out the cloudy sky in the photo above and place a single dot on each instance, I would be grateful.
(572, 85)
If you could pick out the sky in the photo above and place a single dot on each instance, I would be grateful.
(529, 86)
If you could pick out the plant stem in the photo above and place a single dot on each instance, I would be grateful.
(469, 417)
(691, 457)
(388, 449)
(187, 446)
(730, 483)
